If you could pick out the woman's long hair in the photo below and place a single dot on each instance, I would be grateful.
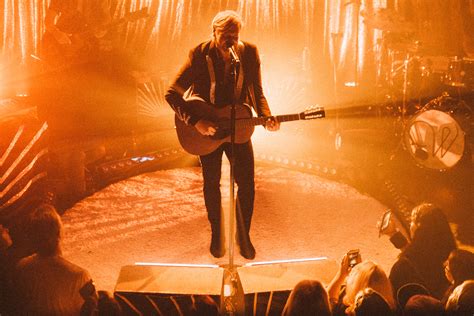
(433, 239)
(309, 297)
(368, 274)
(432, 242)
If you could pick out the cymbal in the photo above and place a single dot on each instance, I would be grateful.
(387, 20)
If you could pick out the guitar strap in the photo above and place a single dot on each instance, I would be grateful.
(240, 77)
(212, 75)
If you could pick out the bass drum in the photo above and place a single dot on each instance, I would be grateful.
(435, 136)
(460, 73)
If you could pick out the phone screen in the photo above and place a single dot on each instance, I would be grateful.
(385, 221)
(353, 257)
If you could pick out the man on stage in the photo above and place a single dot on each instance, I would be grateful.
(207, 74)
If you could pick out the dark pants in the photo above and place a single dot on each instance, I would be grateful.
(244, 178)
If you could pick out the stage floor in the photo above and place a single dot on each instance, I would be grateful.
(160, 217)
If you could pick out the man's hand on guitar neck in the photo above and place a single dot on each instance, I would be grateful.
(206, 128)
(272, 124)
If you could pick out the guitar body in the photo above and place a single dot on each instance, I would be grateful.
(197, 144)
(79, 51)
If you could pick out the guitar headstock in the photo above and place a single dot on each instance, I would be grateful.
(313, 112)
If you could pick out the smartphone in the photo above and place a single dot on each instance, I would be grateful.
(385, 221)
(353, 256)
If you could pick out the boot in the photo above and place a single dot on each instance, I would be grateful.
(217, 249)
(247, 249)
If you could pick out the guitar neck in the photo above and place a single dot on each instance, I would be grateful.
(107, 27)
(133, 16)
(254, 121)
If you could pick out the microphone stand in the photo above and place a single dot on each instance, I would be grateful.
(232, 205)
(232, 294)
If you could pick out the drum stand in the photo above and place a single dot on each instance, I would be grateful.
(406, 63)
(335, 42)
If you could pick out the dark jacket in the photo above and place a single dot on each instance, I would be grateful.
(195, 75)
(421, 261)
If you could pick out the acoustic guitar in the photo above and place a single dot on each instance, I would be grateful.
(197, 144)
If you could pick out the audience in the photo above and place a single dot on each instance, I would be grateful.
(423, 305)
(108, 305)
(461, 301)
(407, 291)
(361, 276)
(458, 268)
(46, 283)
(370, 303)
(421, 260)
(309, 297)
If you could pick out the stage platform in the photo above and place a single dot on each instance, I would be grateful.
(160, 217)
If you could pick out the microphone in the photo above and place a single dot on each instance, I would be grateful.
(233, 55)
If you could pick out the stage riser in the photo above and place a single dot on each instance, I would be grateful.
(168, 304)
(170, 290)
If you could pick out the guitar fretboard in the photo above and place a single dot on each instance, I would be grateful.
(261, 120)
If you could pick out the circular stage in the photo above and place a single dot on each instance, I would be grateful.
(160, 217)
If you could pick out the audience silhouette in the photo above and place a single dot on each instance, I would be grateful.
(458, 268)
(370, 303)
(349, 281)
(309, 297)
(423, 305)
(421, 260)
(461, 301)
(430, 265)
(45, 282)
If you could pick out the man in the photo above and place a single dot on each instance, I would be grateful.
(73, 49)
(45, 282)
(207, 73)
(66, 19)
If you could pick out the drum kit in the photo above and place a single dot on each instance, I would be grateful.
(430, 95)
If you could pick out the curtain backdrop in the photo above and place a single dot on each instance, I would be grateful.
(170, 23)
(331, 34)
